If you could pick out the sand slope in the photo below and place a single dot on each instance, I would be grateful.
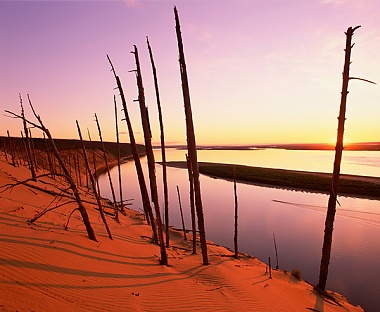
(46, 268)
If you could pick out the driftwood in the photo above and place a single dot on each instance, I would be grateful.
(150, 157)
(82, 209)
(191, 144)
(136, 157)
(162, 138)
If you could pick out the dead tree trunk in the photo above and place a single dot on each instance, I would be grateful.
(108, 169)
(136, 157)
(94, 161)
(81, 208)
(5, 150)
(11, 150)
(330, 216)
(118, 156)
(96, 194)
(163, 153)
(33, 150)
(27, 144)
(150, 157)
(181, 212)
(51, 167)
(192, 206)
(275, 249)
(236, 255)
(191, 144)
(79, 171)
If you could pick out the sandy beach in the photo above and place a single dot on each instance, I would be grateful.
(47, 268)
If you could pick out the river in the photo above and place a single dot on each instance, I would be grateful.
(296, 218)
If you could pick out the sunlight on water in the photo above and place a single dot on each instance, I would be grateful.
(353, 162)
(296, 218)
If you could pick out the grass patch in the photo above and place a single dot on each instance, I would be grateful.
(297, 274)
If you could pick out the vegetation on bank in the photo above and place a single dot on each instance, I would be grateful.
(71, 144)
(349, 185)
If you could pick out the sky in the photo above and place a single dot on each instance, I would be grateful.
(260, 71)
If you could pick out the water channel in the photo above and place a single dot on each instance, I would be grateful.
(296, 218)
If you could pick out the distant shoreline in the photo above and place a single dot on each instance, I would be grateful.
(316, 182)
(361, 146)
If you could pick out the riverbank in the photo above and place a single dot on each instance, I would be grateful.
(45, 267)
(349, 185)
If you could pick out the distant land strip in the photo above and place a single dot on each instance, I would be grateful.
(349, 185)
(361, 146)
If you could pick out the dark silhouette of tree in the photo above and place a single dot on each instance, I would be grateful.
(150, 157)
(81, 208)
(331, 209)
(191, 144)
(136, 157)
(162, 138)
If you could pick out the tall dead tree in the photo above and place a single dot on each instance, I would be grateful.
(96, 194)
(330, 216)
(162, 138)
(150, 157)
(136, 157)
(81, 207)
(192, 204)
(108, 169)
(191, 144)
(27, 143)
(118, 156)
(236, 254)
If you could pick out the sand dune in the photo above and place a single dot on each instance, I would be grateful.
(46, 268)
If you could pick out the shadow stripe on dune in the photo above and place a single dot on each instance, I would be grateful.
(56, 248)
(62, 270)
(157, 276)
(81, 247)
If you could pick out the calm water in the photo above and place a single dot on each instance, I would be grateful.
(296, 218)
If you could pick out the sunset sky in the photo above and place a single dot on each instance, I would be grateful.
(260, 71)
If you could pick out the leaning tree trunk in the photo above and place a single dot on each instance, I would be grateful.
(330, 216)
(118, 156)
(236, 254)
(96, 194)
(136, 157)
(191, 144)
(81, 208)
(27, 144)
(163, 153)
(192, 207)
(150, 157)
(108, 170)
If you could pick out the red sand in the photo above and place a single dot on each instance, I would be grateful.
(45, 268)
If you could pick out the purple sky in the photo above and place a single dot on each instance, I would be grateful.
(259, 71)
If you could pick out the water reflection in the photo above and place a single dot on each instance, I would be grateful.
(296, 218)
